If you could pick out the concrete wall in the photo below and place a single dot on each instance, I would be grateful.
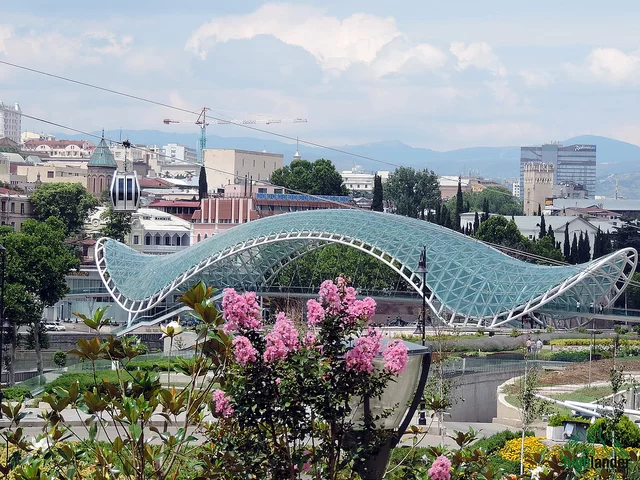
(477, 394)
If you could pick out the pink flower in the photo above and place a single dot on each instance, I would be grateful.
(440, 469)
(395, 356)
(278, 380)
(245, 352)
(361, 310)
(307, 466)
(282, 340)
(330, 296)
(315, 313)
(310, 340)
(222, 404)
(360, 357)
(240, 311)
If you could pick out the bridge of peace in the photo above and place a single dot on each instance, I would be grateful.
(467, 283)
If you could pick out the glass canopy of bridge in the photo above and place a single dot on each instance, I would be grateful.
(466, 279)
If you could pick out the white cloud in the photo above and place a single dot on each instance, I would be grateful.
(537, 79)
(335, 44)
(5, 34)
(112, 44)
(613, 65)
(479, 55)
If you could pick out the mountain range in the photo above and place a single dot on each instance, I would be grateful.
(616, 160)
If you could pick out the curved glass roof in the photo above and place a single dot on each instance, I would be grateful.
(465, 276)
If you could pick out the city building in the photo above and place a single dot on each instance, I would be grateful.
(449, 185)
(67, 149)
(538, 186)
(177, 152)
(357, 181)
(10, 122)
(221, 213)
(515, 189)
(15, 208)
(180, 208)
(25, 136)
(100, 169)
(573, 164)
(227, 166)
(618, 206)
(133, 154)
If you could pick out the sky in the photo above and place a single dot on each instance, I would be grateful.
(433, 74)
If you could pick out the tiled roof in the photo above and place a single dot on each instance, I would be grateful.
(102, 156)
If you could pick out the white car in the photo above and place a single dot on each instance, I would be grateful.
(54, 327)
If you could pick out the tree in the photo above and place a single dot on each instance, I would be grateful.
(317, 178)
(543, 227)
(633, 292)
(490, 200)
(551, 233)
(118, 224)
(539, 210)
(476, 223)
(412, 193)
(459, 206)
(377, 204)
(69, 202)
(501, 231)
(485, 210)
(36, 264)
(547, 247)
(626, 235)
(567, 244)
(203, 189)
(574, 256)
(587, 248)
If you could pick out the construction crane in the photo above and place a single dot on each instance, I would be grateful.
(204, 123)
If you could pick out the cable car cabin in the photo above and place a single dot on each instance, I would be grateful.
(125, 192)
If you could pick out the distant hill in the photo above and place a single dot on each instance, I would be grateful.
(614, 157)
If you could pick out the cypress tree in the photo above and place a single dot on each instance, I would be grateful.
(573, 257)
(543, 227)
(438, 217)
(485, 210)
(551, 233)
(203, 189)
(597, 242)
(587, 247)
(567, 245)
(459, 206)
(580, 258)
(445, 218)
(539, 210)
(476, 223)
(376, 205)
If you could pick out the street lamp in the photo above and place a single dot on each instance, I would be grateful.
(395, 397)
(4, 256)
(422, 270)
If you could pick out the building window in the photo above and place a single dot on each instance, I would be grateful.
(4, 206)
(50, 174)
(278, 190)
(136, 240)
(13, 225)
(254, 163)
(198, 237)
(13, 207)
(147, 240)
(22, 209)
(157, 239)
(167, 240)
(262, 190)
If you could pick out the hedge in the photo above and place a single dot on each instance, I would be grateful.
(498, 440)
(577, 342)
(85, 380)
(15, 393)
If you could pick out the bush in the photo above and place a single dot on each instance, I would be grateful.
(576, 342)
(514, 332)
(627, 433)
(497, 441)
(480, 332)
(558, 419)
(60, 358)
(157, 365)
(15, 393)
(573, 356)
(85, 380)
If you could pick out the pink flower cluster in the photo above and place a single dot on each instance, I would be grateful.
(338, 299)
(315, 313)
(395, 356)
(360, 357)
(282, 340)
(440, 469)
(222, 404)
(245, 352)
(240, 311)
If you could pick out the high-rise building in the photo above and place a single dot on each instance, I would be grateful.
(178, 152)
(10, 122)
(572, 165)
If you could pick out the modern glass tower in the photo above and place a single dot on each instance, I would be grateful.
(573, 164)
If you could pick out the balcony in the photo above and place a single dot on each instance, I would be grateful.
(159, 249)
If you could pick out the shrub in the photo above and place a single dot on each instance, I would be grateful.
(514, 332)
(480, 332)
(572, 356)
(627, 433)
(532, 445)
(85, 380)
(15, 393)
(558, 419)
(497, 440)
(60, 358)
(576, 342)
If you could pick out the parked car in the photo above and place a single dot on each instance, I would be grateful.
(54, 327)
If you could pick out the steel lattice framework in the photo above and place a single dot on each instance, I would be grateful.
(467, 281)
